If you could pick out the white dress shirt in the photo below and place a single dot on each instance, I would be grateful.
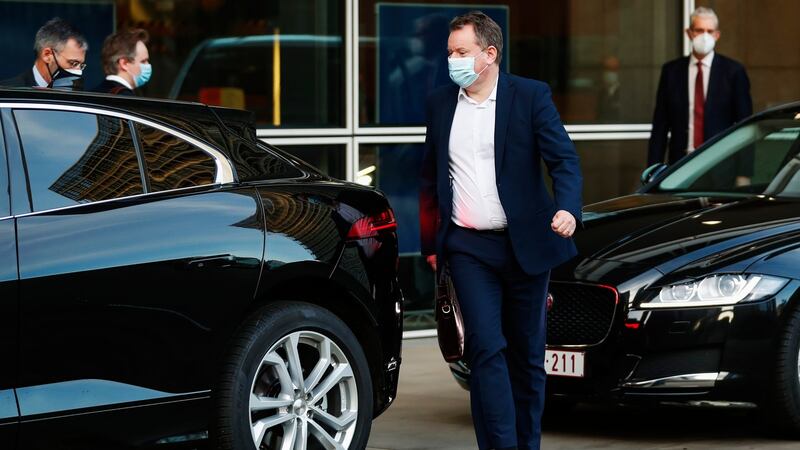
(40, 81)
(706, 61)
(119, 80)
(476, 203)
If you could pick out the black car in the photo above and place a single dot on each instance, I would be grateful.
(688, 291)
(166, 277)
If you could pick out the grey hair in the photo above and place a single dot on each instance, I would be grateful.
(55, 34)
(702, 11)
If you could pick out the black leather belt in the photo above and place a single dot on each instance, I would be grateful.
(496, 231)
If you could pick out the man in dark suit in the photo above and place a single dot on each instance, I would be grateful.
(60, 55)
(485, 211)
(698, 95)
(126, 62)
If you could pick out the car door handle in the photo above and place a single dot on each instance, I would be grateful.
(213, 262)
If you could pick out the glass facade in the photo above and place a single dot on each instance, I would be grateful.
(341, 83)
(759, 35)
(597, 55)
(329, 159)
(611, 168)
(282, 59)
(389, 167)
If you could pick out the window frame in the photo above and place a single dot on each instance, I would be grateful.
(5, 178)
(225, 173)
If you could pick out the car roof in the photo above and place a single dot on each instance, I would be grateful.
(240, 120)
(128, 102)
(270, 39)
(786, 107)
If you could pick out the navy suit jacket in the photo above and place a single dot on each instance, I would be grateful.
(527, 131)
(727, 102)
(25, 79)
(113, 87)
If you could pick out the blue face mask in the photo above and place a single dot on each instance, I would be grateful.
(462, 70)
(144, 75)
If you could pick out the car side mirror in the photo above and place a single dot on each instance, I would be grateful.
(651, 172)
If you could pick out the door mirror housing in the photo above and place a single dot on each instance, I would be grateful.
(652, 172)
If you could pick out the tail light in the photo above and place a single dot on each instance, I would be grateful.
(631, 325)
(370, 226)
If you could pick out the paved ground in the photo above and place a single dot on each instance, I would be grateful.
(432, 412)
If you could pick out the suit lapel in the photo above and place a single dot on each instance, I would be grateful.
(505, 95)
(683, 88)
(713, 81)
(448, 112)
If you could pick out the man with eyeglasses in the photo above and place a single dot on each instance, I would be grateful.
(699, 96)
(60, 54)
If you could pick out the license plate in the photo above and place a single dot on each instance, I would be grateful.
(562, 363)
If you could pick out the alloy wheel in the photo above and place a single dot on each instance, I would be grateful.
(304, 395)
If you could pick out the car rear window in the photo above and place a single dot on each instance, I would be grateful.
(173, 163)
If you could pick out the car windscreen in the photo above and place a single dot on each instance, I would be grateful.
(757, 157)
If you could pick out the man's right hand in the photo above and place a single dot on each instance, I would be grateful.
(432, 261)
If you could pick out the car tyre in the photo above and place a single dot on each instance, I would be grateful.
(781, 413)
(296, 378)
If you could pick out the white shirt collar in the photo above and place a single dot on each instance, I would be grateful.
(119, 80)
(40, 81)
(462, 93)
(706, 60)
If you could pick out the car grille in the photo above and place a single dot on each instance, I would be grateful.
(581, 314)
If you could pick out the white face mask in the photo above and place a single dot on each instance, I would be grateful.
(462, 70)
(703, 43)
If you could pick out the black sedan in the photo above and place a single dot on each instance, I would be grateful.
(165, 277)
(689, 290)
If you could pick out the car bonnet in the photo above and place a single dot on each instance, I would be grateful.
(668, 232)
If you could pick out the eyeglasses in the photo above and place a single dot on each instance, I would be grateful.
(73, 63)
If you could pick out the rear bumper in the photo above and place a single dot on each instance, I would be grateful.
(392, 324)
(388, 393)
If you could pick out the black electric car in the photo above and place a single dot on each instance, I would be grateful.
(689, 290)
(165, 277)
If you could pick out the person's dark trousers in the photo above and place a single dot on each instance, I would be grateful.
(504, 321)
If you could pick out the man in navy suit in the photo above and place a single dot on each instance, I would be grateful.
(699, 96)
(60, 51)
(126, 62)
(485, 211)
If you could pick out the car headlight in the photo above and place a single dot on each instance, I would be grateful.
(716, 290)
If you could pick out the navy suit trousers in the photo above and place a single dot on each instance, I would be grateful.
(504, 313)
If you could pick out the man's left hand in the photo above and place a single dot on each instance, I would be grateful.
(563, 224)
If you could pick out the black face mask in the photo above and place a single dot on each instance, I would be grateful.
(65, 78)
